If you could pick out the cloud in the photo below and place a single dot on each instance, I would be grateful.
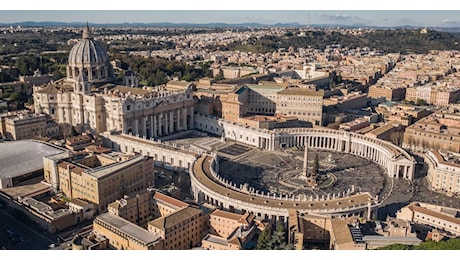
(451, 22)
(406, 21)
(337, 17)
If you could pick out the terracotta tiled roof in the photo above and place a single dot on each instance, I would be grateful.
(415, 208)
(175, 218)
(170, 200)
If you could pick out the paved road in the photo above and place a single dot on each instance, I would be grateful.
(16, 235)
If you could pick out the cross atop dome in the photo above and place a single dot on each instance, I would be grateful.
(86, 32)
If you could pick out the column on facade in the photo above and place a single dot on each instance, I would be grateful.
(178, 121)
(160, 129)
(156, 122)
(184, 118)
(152, 126)
(171, 122)
(144, 126)
(192, 118)
(136, 130)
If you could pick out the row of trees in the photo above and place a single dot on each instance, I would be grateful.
(451, 244)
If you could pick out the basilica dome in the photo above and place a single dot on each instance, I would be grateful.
(90, 58)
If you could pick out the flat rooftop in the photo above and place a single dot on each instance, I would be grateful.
(21, 157)
(129, 228)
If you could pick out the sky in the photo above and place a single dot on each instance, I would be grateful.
(396, 13)
(341, 17)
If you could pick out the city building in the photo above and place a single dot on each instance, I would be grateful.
(229, 231)
(438, 131)
(178, 224)
(98, 178)
(390, 93)
(80, 142)
(271, 99)
(443, 171)
(305, 104)
(439, 217)
(89, 100)
(181, 229)
(124, 235)
(345, 236)
(22, 125)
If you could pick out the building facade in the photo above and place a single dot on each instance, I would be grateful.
(100, 179)
(24, 125)
(439, 217)
(88, 100)
(443, 171)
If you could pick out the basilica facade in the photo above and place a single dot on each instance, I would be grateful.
(89, 100)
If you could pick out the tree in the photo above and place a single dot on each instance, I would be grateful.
(316, 165)
(396, 137)
(220, 75)
(421, 102)
(263, 240)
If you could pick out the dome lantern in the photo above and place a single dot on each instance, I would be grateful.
(86, 33)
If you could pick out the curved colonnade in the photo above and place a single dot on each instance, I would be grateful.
(397, 162)
(208, 186)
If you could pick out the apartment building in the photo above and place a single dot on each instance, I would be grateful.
(23, 125)
(390, 93)
(124, 235)
(439, 217)
(439, 131)
(443, 171)
(98, 178)
(180, 230)
(305, 104)
(229, 231)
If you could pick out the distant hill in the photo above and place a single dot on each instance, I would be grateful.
(163, 24)
(217, 25)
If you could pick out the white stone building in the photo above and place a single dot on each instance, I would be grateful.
(88, 99)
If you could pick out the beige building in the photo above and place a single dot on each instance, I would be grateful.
(124, 235)
(353, 100)
(88, 100)
(439, 131)
(391, 131)
(439, 217)
(180, 230)
(305, 104)
(443, 171)
(270, 99)
(98, 178)
(229, 231)
(153, 221)
(388, 92)
(345, 237)
(24, 125)
(136, 208)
